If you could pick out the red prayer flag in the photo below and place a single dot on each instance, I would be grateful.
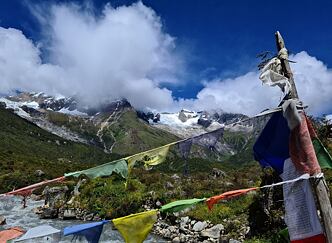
(26, 191)
(301, 149)
(213, 200)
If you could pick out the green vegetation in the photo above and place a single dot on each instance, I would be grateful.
(25, 148)
(133, 135)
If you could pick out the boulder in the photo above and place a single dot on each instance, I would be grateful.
(213, 232)
(69, 214)
(48, 213)
(2, 220)
(199, 226)
(39, 173)
(176, 240)
(216, 173)
(184, 220)
(234, 241)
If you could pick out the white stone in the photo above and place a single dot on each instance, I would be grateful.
(176, 240)
(213, 232)
(199, 226)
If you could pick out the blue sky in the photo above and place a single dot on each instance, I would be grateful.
(217, 39)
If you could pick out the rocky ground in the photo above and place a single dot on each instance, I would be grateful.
(172, 228)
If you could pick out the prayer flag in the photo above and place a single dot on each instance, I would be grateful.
(227, 195)
(37, 232)
(180, 205)
(209, 139)
(119, 166)
(26, 191)
(11, 233)
(151, 157)
(323, 156)
(135, 228)
(90, 231)
(185, 147)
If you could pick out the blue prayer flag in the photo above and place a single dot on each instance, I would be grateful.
(91, 231)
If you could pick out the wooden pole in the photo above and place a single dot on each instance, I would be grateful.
(319, 188)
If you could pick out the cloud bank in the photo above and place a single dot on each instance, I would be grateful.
(125, 53)
(245, 94)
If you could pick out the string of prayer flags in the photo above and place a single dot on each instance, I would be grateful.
(209, 139)
(150, 157)
(119, 166)
(26, 191)
(285, 145)
(227, 195)
(91, 231)
(135, 228)
(180, 205)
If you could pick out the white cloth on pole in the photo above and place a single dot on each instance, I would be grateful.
(271, 75)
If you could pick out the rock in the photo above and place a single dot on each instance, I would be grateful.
(175, 177)
(184, 220)
(88, 217)
(168, 185)
(166, 233)
(204, 120)
(55, 195)
(156, 118)
(176, 240)
(216, 173)
(69, 214)
(234, 241)
(182, 116)
(199, 226)
(213, 232)
(39, 173)
(48, 213)
(2, 220)
(2, 105)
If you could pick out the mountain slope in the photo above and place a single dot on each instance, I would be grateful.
(25, 148)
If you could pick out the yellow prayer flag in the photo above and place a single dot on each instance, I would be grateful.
(151, 157)
(135, 228)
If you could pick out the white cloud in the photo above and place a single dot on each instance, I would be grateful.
(245, 94)
(123, 53)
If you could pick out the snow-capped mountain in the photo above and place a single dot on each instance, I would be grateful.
(118, 128)
(190, 123)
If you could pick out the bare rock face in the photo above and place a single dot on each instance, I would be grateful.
(182, 116)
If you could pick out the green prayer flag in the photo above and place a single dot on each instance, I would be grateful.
(180, 205)
(323, 156)
(119, 166)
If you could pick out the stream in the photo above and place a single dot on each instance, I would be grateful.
(11, 209)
